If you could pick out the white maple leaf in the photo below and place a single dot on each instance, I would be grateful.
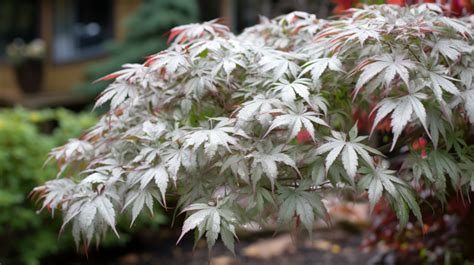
(267, 158)
(450, 48)
(160, 176)
(318, 66)
(380, 179)
(210, 219)
(138, 198)
(175, 157)
(349, 150)
(153, 131)
(55, 191)
(91, 212)
(279, 63)
(387, 65)
(295, 119)
(117, 92)
(440, 81)
(212, 139)
(260, 105)
(402, 109)
(287, 90)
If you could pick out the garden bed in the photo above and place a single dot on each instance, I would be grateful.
(329, 246)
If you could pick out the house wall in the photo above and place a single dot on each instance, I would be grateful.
(61, 77)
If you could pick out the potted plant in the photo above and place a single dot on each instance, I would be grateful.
(260, 127)
(27, 60)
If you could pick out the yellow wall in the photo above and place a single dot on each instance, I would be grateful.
(60, 77)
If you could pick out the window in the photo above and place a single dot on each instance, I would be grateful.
(81, 27)
(18, 19)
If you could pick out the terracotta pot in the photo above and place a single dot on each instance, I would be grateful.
(29, 76)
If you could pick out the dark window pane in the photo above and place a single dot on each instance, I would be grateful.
(81, 28)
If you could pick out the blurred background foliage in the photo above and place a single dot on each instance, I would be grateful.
(26, 137)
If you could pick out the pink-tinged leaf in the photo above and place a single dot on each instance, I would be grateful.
(108, 77)
(174, 32)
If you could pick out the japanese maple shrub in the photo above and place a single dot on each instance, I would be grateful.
(259, 127)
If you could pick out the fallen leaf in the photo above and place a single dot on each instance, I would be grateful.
(222, 260)
(265, 249)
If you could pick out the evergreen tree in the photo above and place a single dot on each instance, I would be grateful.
(146, 32)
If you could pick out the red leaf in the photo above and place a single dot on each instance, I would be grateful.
(456, 7)
(343, 5)
(108, 77)
(174, 32)
(424, 154)
(396, 2)
(303, 137)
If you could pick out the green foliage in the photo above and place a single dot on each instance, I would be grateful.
(145, 34)
(24, 146)
(26, 137)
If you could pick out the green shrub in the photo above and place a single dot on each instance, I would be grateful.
(25, 140)
(26, 137)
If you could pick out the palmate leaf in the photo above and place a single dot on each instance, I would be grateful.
(260, 105)
(287, 90)
(265, 160)
(91, 213)
(172, 61)
(439, 81)
(117, 93)
(194, 31)
(468, 171)
(382, 181)
(450, 49)
(57, 190)
(349, 151)
(153, 131)
(211, 220)
(294, 119)
(301, 203)
(138, 198)
(388, 65)
(402, 109)
(279, 64)
(443, 164)
(238, 165)
(212, 139)
(317, 66)
(348, 31)
(159, 175)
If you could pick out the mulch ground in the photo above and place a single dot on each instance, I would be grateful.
(328, 247)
